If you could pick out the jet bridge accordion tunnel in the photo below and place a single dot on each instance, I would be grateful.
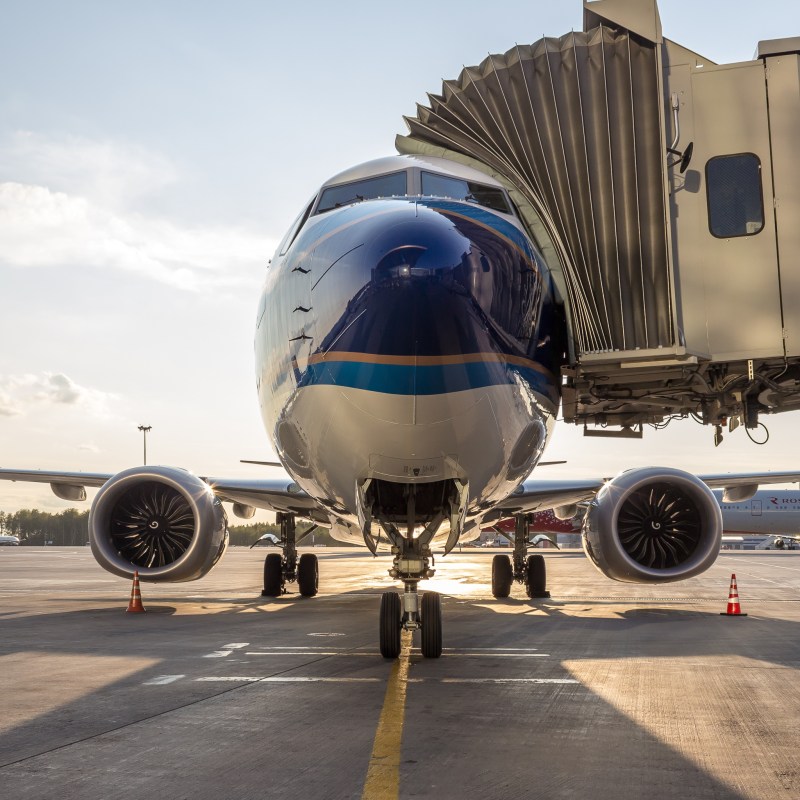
(664, 192)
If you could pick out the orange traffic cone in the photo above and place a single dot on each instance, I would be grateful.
(135, 604)
(734, 610)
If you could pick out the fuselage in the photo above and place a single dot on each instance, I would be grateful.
(408, 334)
(769, 511)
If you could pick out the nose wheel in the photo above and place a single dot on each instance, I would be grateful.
(393, 620)
(431, 625)
(391, 624)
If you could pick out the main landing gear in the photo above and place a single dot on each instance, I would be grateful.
(526, 569)
(282, 569)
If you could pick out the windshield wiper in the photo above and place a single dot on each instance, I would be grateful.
(357, 199)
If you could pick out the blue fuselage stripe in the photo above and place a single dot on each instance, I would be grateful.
(424, 380)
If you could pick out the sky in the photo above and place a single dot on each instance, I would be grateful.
(152, 154)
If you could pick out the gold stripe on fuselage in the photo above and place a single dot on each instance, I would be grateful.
(428, 361)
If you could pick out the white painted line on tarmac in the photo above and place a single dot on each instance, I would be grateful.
(314, 679)
(473, 654)
(162, 680)
(218, 654)
(307, 651)
(492, 649)
(767, 565)
(257, 679)
(299, 652)
(495, 680)
(235, 645)
(312, 648)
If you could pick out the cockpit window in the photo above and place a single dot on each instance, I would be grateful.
(287, 240)
(458, 189)
(393, 185)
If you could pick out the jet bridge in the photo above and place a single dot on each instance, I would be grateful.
(664, 191)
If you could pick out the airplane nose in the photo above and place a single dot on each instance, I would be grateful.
(427, 280)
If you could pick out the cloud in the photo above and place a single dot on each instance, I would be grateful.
(89, 448)
(43, 228)
(68, 204)
(18, 393)
(111, 174)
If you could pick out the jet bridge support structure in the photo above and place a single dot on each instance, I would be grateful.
(664, 192)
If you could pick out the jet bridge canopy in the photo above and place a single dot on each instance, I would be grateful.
(655, 183)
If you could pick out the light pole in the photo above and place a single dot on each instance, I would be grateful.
(144, 429)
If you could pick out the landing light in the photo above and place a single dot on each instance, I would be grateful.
(404, 271)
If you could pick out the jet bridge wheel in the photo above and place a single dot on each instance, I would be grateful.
(502, 576)
(431, 625)
(308, 575)
(536, 577)
(390, 624)
(273, 576)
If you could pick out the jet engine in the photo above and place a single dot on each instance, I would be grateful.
(653, 525)
(164, 522)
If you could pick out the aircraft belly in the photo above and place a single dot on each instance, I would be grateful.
(476, 434)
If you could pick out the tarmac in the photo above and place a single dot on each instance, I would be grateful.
(606, 691)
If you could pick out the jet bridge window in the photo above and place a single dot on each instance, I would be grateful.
(735, 200)
(458, 189)
(393, 185)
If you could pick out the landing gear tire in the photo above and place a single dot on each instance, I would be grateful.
(536, 577)
(390, 625)
(431, 625)
(502, 576)
(308, 575)
(273, 576)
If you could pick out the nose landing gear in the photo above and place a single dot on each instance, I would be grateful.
(529, 570)
(413, 562)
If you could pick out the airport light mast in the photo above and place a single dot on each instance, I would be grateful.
(144, 429)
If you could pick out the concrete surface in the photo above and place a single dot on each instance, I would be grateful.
(604, 691)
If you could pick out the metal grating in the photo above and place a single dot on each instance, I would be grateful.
(574, 124)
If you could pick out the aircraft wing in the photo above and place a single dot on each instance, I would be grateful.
(279, 494)
(747, 479)
(77, 479)
(537, 495)
(534, 495)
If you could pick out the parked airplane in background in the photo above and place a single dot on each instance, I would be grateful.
(772, 512)
(408, 350)
(9, 540)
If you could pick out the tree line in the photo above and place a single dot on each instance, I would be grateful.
(70, 528)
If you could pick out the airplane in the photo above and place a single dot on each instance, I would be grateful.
(8, 540)
(408, 349)
(786, 542)
(772, 512)
(267, 539)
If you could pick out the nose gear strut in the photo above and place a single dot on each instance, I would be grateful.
(413, 561)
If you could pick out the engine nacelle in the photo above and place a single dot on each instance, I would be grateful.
(653, 525)
(162, 521)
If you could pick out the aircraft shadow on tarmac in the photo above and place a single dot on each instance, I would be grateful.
(607, 746)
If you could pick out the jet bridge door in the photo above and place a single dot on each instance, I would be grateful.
(725, 248)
